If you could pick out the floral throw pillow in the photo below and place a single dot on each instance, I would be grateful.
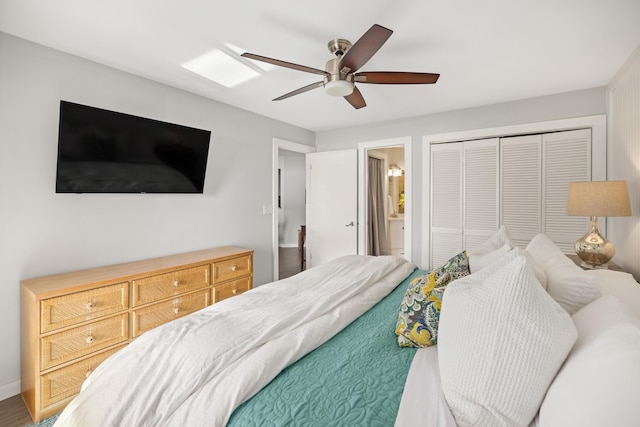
(417, 324)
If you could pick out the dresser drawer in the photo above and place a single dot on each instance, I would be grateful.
(154, 315)
(78, 307)
(231, 269)
(66, 382)
(154, 288)
(77, 342)
(230, 289)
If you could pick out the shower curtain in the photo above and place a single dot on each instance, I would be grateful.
(376, 218)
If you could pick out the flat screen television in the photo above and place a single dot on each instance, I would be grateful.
(102, 151)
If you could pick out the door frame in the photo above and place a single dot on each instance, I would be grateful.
(280, 144)
(363, 147)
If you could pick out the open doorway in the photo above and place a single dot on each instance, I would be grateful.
(385, 202)
(288, 199)
(291, 213)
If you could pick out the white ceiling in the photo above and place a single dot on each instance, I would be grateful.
(486, 51)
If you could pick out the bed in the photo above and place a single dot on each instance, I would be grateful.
(373, 341)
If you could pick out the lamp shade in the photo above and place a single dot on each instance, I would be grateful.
(598, 198)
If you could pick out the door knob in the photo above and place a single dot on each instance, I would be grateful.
(351, 224)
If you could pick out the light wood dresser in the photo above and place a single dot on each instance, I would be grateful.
(71, 322)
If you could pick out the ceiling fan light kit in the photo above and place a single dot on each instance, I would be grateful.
(341, 72)
(338, 88)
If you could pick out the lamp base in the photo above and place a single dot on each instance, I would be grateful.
(593, 249)
(588, 266)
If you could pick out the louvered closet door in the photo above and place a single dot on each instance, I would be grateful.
(521, 187)
(566, 158)
(480, 189)
(446, 202)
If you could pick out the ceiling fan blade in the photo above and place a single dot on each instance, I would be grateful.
(365, 48)
(356, 99)
(284, 64)
(299, 91)
(396, 78)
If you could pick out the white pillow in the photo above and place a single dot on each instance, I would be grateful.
(498, 240)
(599, 384)
(501, 341)
(501, 257)
(498, 264)
(480, 261)
(537, 269)
(542, 247)
(568, 284)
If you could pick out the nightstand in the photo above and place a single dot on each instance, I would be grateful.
(610, 265)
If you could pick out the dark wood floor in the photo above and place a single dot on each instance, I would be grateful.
(13, 413)
(289, 262)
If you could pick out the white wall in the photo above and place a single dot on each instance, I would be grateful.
(623, 159)
(42, 232)
(560, 106)
(293, 197)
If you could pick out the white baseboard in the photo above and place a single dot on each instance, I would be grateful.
(9, 390)
(288, 245)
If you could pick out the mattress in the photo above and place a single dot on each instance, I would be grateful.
(354, 379)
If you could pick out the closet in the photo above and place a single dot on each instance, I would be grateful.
(520, 181)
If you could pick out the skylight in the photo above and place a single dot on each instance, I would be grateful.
(262, 65)
(221, 68)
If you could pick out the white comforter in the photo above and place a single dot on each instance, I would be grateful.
(198, 369)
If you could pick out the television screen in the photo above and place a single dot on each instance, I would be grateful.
(102, 151)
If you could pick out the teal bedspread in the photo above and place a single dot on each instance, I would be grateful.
(354, 379)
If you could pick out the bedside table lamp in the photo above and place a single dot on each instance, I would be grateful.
(594, 199)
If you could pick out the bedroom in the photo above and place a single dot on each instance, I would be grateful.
(45, 233)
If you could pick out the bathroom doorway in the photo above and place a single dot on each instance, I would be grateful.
(385, 201)
(395, 191)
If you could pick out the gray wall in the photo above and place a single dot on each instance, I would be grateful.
(42, 232)
(553, 107)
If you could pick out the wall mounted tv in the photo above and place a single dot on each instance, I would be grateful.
(102, 151)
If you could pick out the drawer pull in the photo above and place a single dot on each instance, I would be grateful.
(88, 373)
(176, 283)
(234, 268)
(234, 291)
(89, 339)
(90, 305)
(176, 310)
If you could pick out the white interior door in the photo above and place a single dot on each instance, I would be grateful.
(446, 202)
(566, 157)
(481, 193)
(332, 212)
(521, 187)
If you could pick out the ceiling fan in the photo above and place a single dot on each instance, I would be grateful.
(340, 73)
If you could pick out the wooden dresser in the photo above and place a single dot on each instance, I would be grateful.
(71, 322)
